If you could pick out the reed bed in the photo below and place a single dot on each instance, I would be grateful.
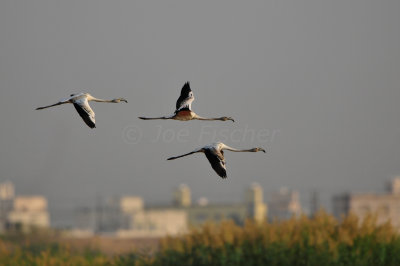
(321, 240)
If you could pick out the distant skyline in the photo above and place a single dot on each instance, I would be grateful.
(316, 81)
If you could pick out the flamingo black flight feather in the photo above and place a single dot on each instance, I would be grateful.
(217, 162)
(185, 95)
(85, 115)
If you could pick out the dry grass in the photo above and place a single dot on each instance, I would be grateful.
(321, 240)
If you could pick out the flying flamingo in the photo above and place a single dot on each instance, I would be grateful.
(215, 155)
(81, 104)
(184, 111)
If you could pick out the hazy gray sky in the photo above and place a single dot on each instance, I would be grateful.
(318, 81)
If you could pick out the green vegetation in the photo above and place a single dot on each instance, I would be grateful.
(321, 240)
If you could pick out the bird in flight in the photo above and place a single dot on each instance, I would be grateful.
(81, 104)
(184, 111)
(215, 155)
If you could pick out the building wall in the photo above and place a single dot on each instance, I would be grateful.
(134, 220)
(253, 207)
(29, 212)
(130, 204)
(7, 191)
(394, 187)
(30, 204)
(182, 196)
(7, 194)
(256, 208)
(385, 206)
(29, 219)
(156, 223)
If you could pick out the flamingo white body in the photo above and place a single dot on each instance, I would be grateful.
(215, 155)
(184, 111)
(81, 104)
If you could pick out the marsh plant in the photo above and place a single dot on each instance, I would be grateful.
(321, 240)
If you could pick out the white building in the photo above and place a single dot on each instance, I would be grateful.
(7, 194)
(386, 206)
(29, 212)
(156, 223)
(127, 217)
(257, 209)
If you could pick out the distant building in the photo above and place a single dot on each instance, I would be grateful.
(21, 212)
(108, 215)
(138, 221)
(253, 207)
(182, 196)
(284, 204)
(128, 217)
(7, 191)
(385, 206)
(130, 206)
(256, 207)
(29, 212)
(7, 194)
(394, 186)
(155, 223)
(199, 214)
(85, 220)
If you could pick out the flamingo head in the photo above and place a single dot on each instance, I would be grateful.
(119, 100)
(258, 149)
(225, 118)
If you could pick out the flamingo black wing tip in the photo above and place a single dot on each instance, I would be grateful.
(222, 173)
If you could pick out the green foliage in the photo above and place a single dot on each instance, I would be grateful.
(321, 240)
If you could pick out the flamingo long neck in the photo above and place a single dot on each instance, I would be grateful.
(100, 100)
(208, 119)
(226, 147)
